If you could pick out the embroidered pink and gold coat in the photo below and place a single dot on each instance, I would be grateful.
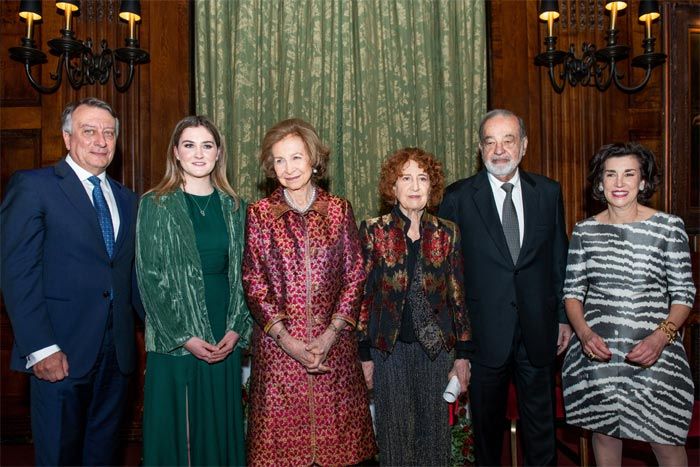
(305, 269)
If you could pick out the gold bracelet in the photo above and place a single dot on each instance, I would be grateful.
(669, 329)
(333, 328)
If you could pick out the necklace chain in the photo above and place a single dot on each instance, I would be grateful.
(300, 209)
(202, 211)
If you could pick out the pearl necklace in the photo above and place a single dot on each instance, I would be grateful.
(202, 211)
(300, 209)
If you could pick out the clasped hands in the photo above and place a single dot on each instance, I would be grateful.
(311, 356)
(212, 353)
(645, 353)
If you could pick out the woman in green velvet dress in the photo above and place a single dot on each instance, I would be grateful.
(188, 262)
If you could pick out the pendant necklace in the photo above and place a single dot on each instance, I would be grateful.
(300, 209)
(201, 209)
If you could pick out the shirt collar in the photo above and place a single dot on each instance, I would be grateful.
(82, 173)
(496, 183)
(279, 205)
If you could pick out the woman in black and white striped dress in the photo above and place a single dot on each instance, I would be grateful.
(628, 290)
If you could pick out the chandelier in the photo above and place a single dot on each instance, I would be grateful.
(598, 67)
(82, 65)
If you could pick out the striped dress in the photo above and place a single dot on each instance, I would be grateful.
(627, 276)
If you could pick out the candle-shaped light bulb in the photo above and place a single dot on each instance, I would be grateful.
(615, 7)
(30, 10)
(130, 10)
(648, 12)
(549, 11)
(68, 7)
(30, 25)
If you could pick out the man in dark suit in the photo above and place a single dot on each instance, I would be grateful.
(67, 276)
(514, 245)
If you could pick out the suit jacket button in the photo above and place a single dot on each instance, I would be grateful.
(105, 294)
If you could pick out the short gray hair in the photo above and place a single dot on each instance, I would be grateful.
(501, 113)
(67, 116)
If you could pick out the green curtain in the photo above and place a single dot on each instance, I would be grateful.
(372, 76)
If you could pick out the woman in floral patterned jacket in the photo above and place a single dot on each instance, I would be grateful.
(303, 276)
(414, 330)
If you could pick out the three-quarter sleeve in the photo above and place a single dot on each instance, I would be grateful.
(367, 245)
(354, 275)
(679, 274)
(261, 301)
(576, 282)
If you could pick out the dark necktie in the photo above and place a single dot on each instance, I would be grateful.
(510, 223)
(103, 215)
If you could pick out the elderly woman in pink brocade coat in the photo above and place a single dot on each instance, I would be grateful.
(303, 275)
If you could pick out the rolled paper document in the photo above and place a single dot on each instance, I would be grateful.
(452, 390)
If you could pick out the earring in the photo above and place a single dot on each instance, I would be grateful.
(600, 187)
(315, 170)
(641, 186)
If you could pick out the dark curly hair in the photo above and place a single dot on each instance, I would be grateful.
(650, 172)
(392, 169)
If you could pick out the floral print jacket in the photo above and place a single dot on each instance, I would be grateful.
(385, 251)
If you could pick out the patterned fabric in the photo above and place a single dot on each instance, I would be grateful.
(167, 257)
(627, 276)
(305, 269)
(103, 215)
(424, 324)
(384, 245)
(371, 76)
(412, 418)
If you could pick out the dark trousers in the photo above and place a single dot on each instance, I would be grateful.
(412, 420)
(76, 421)
(488, 400)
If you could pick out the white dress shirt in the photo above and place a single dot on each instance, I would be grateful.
(499, 195)
(35, 357)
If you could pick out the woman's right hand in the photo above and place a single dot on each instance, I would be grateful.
(200, 348)
(593, 346)
(297, 350)
(368, 371)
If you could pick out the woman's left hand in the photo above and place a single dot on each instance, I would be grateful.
(648, 350)
(320, 347)
(461, 368)
(225, 346)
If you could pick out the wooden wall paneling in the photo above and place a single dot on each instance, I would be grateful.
(170, 76)
(682, 157)
(30, 124)
(14, 90)
(20, 149)
(566, 129)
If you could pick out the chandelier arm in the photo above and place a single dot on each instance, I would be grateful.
(106, 63)
(638, 87)
(558, 88)
(76, 74)
(39, 87)
(604, 84)
(129, 77)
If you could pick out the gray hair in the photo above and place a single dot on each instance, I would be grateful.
(67, 116)
(501, 113)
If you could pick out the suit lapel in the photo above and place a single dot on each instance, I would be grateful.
(531, 201)
(124, 208)
(486, 205)
(75, 192)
